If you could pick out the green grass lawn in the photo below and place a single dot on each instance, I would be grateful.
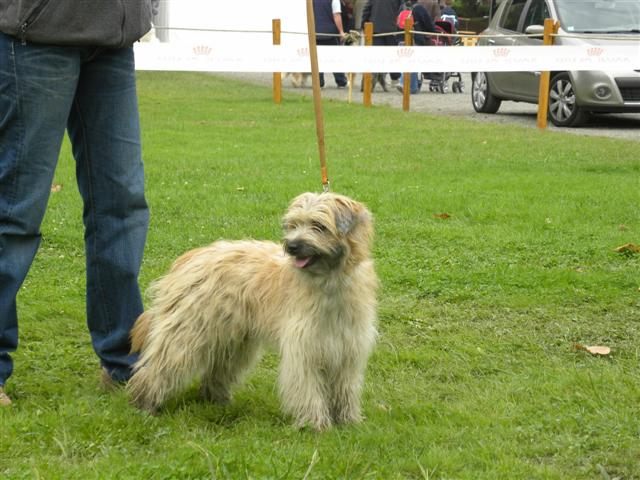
(475, 375)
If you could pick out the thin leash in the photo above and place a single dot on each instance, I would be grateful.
(317, 96)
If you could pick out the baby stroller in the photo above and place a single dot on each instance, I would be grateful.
(439, 82)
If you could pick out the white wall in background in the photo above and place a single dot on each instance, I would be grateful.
(235, 15)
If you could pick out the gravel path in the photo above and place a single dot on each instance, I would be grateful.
(625, 126)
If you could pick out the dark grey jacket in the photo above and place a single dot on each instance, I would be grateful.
(383, 15)
(106, 23)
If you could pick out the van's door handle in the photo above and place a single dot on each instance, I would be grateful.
(492, 41)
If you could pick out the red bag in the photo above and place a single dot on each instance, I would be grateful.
(406, 12)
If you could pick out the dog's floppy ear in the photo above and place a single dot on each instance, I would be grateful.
(349, 214)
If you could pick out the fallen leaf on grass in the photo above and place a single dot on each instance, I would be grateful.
(56, 187)
(442, 216)
(628, 248)
(593, 349)
(622, 227)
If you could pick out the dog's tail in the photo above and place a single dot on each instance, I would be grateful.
(140, 331)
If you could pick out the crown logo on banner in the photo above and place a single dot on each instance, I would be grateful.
(203, 50)
(303, 52)
(595, 51)
(501, 52)
(404, 52)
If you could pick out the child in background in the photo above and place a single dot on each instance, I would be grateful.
(449, 14)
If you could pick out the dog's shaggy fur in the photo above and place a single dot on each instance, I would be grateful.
(314, 299)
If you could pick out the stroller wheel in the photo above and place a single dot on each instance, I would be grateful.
(444, 88)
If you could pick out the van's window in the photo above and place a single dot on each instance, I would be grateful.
(599, 16)
(536, 14)
(509, 20)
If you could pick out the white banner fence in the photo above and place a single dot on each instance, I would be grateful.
(227, 57)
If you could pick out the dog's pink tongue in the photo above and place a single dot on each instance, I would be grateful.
(302, 262)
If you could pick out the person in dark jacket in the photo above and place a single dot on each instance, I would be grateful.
(422, 22)
(68, 65)
(328, 20)
(383, 15)
(449, 14)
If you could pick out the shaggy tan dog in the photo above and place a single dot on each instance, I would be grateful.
(314, 299)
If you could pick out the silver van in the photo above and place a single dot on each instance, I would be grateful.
(573, 96)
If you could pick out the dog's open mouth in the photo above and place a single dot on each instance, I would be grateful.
(304, 262)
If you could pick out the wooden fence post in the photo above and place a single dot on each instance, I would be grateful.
(406, 76)
(368, 41)
(550, 27)
(277, 76)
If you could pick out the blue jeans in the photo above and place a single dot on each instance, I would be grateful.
(414, 83)
(91, 93)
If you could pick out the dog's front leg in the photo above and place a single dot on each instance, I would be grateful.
(303, 391)
(346, 390)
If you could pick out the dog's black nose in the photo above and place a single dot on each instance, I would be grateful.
(293, 247)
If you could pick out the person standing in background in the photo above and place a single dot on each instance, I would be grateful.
(449, 14)
(383, 15)
(422, 23)
(328, 20)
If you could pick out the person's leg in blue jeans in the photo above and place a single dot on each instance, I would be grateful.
(36, 90)
(414, 83)
(41, 89)
(104, 129)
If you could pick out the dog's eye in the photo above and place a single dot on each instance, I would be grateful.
(319, 227)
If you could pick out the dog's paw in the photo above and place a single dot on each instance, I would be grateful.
(348, 417)
(316, 423)
(215, 394)
(146, 406)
